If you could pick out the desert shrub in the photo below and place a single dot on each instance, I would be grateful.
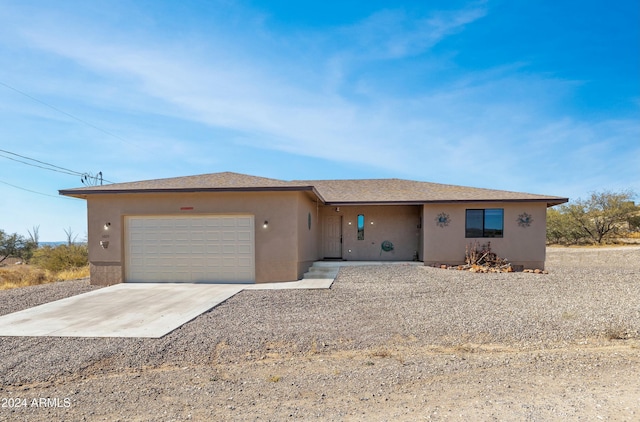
(14, 245)
(598, 219)
(61, 258)
(24, 275)
(73, 273)
(562, 229)
(634, 223)
(28, 275)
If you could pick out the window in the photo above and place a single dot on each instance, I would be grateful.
(360, 226)
(484, 223)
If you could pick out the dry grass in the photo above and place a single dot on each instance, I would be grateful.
(25, 275)
(73, 274)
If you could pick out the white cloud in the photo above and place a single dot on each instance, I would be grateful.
(496, 119)
(392, 34)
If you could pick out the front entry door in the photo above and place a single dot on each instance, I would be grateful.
(332, 236)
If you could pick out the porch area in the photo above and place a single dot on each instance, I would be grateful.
(330, 268)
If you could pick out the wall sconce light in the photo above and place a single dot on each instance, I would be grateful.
(107, 225)
(266, 224)
(372, 223)
(104, 244)
(337, 209)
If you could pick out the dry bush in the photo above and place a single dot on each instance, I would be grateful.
(61, 258)
(73, 274)
(482, 255)
(24, 275)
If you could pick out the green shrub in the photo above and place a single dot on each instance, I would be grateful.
(598, 219)
(14, 245)
(61, 258)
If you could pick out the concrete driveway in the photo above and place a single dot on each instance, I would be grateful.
(130, 309)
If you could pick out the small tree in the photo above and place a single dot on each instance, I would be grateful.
(562, 229)
(602, 215)
(16, 246)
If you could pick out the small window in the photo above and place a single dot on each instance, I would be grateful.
(360, 226)
(485, 223)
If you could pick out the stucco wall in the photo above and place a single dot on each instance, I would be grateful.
(308, 230)
(276, 255)
(520, 245)
(396, 224)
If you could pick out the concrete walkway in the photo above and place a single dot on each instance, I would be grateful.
(132, 309)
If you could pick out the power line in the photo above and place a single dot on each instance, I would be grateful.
(68, 114)
(33, 191)
(51, 167)
(71, 172)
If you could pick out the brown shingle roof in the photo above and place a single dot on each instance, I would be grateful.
(335, 192)
(224, 180)
(400, 190)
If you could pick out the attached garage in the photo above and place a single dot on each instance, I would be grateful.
(190, 249)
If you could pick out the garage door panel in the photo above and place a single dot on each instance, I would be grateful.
(244, 236)
(198, 234)
(229, 249)
(212, 250)
(244, 262)
(190, 249)
(244, 249)
(228, 236)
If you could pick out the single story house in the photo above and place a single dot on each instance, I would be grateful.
(230, 227)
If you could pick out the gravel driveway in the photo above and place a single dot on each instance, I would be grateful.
(384, 343)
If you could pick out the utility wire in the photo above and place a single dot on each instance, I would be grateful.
(51, 167)
(71, 172)
(33, 191)
(67, 114)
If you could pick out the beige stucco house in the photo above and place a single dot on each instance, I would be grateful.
(230, 227)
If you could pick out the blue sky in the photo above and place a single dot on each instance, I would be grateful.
(540, 97)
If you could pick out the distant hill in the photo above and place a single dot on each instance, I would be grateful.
(54, 244)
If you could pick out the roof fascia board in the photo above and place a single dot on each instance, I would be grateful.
(74, 192)
(552, 201)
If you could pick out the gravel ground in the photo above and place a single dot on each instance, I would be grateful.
(384, 343)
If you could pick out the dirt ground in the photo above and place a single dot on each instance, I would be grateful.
(405, 377)
(579, 382)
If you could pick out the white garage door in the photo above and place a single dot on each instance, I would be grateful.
(190, 249)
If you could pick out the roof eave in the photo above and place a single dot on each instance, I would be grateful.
(549, 201)
(83, 193)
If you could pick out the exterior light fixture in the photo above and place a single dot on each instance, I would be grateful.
(266, 224)
(337, 209)
(104, 244)
(107, 225)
